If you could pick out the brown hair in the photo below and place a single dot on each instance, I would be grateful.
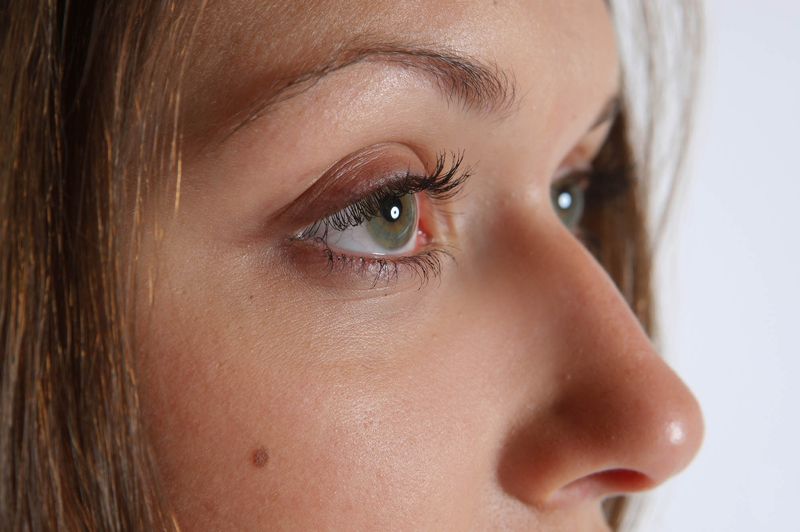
(84, 103)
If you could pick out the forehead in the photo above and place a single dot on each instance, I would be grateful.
(553, 50)
(291, 26)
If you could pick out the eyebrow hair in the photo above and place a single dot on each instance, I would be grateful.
(477, 86)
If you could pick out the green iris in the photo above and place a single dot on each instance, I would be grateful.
(396, 224)
(569, 199)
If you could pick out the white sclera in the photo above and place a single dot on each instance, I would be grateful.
(358, 241)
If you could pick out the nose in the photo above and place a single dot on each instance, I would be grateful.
(616, 418)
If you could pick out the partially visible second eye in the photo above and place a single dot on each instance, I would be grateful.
(568, 196)
(393, 230)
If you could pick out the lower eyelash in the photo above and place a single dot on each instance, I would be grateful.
(422, 266)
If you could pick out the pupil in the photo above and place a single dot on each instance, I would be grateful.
(391, 208)
(395, 223)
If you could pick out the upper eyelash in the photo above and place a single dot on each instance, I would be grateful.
(439, 185)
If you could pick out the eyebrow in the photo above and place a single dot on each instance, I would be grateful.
(477, 86)
(472, 83)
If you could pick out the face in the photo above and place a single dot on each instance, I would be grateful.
(372, 309)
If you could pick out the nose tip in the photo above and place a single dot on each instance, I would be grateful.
(618, 420)
(624, 431)
(639, 428)
(671, 427)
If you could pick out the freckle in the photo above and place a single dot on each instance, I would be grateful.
(260, 457)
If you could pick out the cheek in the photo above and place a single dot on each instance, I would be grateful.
(271, 411)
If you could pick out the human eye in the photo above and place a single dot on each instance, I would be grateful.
(568, 197)
(393, 229)
(386, 225)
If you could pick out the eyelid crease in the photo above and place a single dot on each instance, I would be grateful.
(609, 112)
(349, 180)
(580, 176)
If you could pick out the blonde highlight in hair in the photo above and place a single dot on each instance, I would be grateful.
(83, 96)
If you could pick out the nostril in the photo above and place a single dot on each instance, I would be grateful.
(603, 484)
(621, 480)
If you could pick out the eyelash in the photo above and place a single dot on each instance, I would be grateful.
(442, 184)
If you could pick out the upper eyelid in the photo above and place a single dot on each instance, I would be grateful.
(581, 176)
(441, 185)
(582, 157)
(331, 208)
(349, 180)
(382, 167)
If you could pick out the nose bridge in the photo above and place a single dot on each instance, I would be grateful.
(618, 419)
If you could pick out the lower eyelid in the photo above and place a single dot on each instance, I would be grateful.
(328, 268)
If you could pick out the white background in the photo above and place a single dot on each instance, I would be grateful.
(729, 278)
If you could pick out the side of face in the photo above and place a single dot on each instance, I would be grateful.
(514, 389)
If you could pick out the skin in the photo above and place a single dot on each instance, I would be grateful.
(515, 391)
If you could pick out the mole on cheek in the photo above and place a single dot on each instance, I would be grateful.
(259, 457)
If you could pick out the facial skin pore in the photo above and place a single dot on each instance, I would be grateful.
(514, 391)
